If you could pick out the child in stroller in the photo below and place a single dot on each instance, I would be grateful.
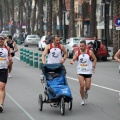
(55, 86)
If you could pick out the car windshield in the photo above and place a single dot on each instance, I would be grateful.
(32, 36)
(76, 40)
(5, 32)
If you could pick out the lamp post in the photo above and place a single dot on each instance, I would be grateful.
(106, 21)
(64, 23)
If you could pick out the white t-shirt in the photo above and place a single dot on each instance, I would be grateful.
(3, 58)
(84, 64)
(54, 55)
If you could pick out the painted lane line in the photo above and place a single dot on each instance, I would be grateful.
(31, 118)
(96, 85)
(91, 83)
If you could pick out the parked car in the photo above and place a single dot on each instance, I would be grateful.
(5, 33)
(31, 40)
(17, 36)
(42, 43)
(102, 52)
(70, 44)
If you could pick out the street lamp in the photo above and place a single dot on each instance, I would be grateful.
(106, 21)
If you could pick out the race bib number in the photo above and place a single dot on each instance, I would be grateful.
(2, 62)
(11, 50)
(83, 67)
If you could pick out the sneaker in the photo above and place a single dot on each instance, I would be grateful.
(1, 108)
(9, 75)
(83, 102)
(85, 94)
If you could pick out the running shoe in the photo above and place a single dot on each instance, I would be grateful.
(83, 102)
(9, 75)
(1, 108)
(85, 94)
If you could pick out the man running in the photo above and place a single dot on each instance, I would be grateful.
(13, 49)
(117, 55)
(5, 59)
(54, 51)
(86, 65)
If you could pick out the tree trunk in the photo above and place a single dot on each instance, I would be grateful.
(116, 12)
(72, 32)
(93, 19)
(49, 16)
(40, 16)
(54, 24)
(60, 15)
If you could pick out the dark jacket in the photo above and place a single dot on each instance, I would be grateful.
(96, 45)
(48, 39)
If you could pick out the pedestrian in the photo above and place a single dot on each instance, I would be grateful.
(13, 49)
(54, 51)
(86, 66)
(117, 56)
(49, 38)
(5, 59)
(96, 46)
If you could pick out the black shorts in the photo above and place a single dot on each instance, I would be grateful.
(3, 75)
(86, 75)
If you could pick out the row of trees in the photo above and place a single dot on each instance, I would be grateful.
(25, 12)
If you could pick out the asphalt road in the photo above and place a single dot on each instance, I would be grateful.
(24, 88)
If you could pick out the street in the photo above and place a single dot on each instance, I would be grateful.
(24, 87)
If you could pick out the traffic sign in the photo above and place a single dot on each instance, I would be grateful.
(117, 28)
(117, 21)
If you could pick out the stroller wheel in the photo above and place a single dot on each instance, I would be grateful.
(40, 100)
(62, 106)
(70, 105)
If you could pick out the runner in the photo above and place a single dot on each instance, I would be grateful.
(117, 55)
(13, 49)
(5, 59)
(54, 51)
(86, 65)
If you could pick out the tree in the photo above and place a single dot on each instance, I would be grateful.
(60, 15)
(93, 18)
(72, 32)
(116, 12)
(49, 15)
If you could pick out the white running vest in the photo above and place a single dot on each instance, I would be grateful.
(3, 58)
(84, 64)
(54, 56)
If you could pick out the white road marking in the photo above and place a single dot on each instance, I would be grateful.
(91, 84)
(31, 118)
(96, 85)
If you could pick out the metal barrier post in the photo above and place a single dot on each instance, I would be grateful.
(21, 54)
(31, 58)
(27, 56)
(24, 55)
(36, 60)
(40, 61)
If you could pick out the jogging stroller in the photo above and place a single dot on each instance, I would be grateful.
(56, 89)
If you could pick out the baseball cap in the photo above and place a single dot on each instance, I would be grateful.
(2, 37)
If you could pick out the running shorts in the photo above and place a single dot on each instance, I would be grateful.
(3, 75)
(86, 75)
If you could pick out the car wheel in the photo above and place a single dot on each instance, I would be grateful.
(104, 58)
(41, 48)
(26, 45)
(69, 55)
